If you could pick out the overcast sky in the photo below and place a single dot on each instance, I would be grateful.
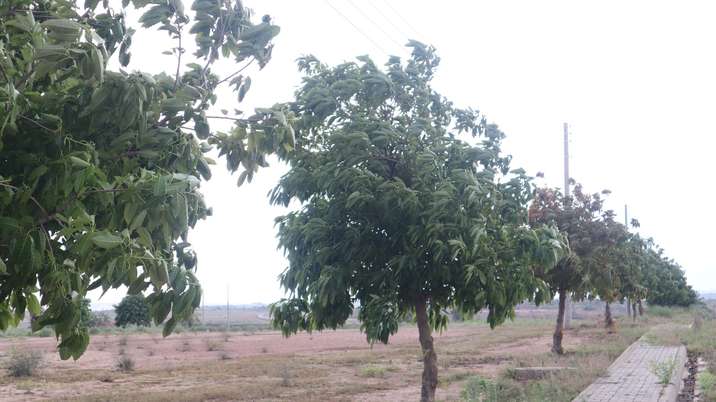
(636, 81)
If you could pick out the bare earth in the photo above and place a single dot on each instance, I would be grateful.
(333, 365)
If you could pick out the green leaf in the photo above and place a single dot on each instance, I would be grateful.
(79, 162)
(33, 305)
(169, 327)
(138, 220)
(106, 240)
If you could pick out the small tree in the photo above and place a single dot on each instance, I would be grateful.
(400, 215)
(132, 310)
(581, 218)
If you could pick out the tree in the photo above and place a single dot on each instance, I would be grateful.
(399, 215)
(581, 218)
(100, 170)
(132, 310)
(629, 266)
(665, 280)
(91, 319)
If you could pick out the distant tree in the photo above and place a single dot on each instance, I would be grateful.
(92, 319)
(665, 280)
(132, 310)
(581, 217)
(100, 170)
(398, 213)
(630, 261)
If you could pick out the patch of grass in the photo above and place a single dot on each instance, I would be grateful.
(212, 346)
(447, 379)
(23, 363)
(125, 363)
(707, 384)
(123, 341)
(479, 389)
(375, 371)
(663, 370)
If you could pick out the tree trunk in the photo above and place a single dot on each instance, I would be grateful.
(608, 320)
(633, 311)
(641, 308)
(628, 303)
(559, 330)
(430, 359)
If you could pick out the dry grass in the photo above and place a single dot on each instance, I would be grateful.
(369, 373)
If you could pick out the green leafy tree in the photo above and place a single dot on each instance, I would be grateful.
(630, 261)
(581, 218)
(665, 280)
(399, 214)
(132, 310)
(100, 170)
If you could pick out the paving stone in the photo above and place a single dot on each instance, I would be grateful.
(631, 379)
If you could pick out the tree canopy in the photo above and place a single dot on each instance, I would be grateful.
(664, 280)
(100, 170)
(132, 310)
(407, 206)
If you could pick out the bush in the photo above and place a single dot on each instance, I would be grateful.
(133, 309)
(707, 383)
(125, 363)
(661, 311)
(480, 389)
(23, 363)
(99, 319)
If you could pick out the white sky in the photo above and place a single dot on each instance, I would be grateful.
(635, 80)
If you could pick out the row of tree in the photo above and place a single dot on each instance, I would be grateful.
(605, 260)
(408, 207)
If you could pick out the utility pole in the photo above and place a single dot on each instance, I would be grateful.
(569, 307)
(626, 225)
(227, 307)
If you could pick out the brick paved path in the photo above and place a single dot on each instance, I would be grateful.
(630, 377)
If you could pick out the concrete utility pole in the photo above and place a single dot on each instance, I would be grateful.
(227, 307)
(626, 216)
(569, 307)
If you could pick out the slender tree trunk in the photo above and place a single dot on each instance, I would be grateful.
(608, 320)
(641, 308)
(430, 358)
(559, 330)
(628, 303)
(633, 311)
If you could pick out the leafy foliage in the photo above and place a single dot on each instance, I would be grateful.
(132, 310)
(665, 281)
(396, 208)
(100, 170)
(407, 206)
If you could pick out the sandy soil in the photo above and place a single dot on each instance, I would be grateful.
(254, 366)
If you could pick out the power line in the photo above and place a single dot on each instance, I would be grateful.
(376, 44)
(415, 31)
(389, 20)
(376, 24)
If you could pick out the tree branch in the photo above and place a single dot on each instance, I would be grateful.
(180, 51)
(232, 75)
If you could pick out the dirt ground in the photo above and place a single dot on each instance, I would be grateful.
(332, 365)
